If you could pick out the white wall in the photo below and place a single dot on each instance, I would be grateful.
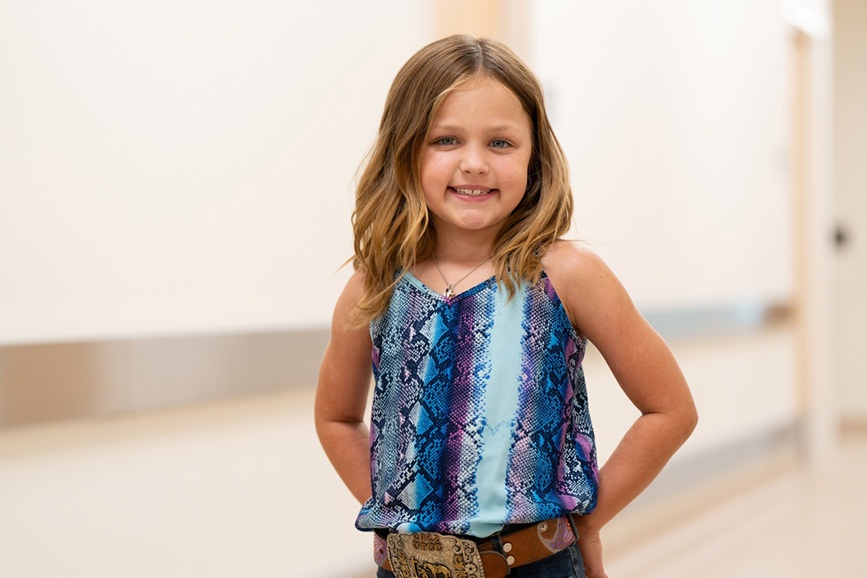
(674, 117)
(184, 166)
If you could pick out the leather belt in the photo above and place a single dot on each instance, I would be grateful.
(521, 547)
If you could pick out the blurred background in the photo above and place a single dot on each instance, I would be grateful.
(176, 183)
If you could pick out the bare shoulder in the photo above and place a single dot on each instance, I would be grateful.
(587, 287)
(351, 294)
(354, 286)
(344, 323)
(573, 268)
(570, 258)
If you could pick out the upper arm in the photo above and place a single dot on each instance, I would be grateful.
(601, 310)
(345, 372)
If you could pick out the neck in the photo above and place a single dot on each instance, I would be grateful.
(469, 249)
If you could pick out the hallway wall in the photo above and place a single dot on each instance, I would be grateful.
(187, 170)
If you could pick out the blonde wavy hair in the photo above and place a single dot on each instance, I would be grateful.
(391, 224)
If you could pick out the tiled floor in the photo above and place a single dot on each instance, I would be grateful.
(805, 522)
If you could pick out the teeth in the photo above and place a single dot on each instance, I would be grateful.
(473, 192)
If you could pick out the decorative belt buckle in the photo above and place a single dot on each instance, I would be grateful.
(431, 555)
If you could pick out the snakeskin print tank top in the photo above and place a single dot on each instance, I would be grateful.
(479, 416)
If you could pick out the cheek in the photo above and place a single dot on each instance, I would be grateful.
(432, 161)
(430, 174)
(517, 173)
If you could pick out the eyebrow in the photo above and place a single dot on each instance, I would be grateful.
(498, 128)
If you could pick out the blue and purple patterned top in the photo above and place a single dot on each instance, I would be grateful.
(479, 414)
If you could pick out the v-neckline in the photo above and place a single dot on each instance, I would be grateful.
(418, 283)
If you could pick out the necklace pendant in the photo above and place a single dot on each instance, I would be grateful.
(449, 292)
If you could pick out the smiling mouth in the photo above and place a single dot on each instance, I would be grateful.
(471, 192)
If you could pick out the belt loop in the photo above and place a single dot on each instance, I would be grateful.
(497, 542)
(572, 524)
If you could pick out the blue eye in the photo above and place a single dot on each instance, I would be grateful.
(500, 143)
(446, 141)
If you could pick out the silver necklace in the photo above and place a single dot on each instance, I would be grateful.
(450, 287)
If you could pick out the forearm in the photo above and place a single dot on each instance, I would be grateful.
(348, 448)
(637, 460)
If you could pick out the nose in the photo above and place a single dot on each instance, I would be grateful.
(474, 160)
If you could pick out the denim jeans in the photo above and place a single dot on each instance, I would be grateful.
(564, 564)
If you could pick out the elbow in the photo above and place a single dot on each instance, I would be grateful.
(682, 419)
(689, 421)
(319, 425)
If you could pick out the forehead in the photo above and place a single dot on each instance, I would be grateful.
(482, 100)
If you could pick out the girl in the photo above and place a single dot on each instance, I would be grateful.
(472, 316)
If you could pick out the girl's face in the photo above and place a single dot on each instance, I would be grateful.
(475, 160)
